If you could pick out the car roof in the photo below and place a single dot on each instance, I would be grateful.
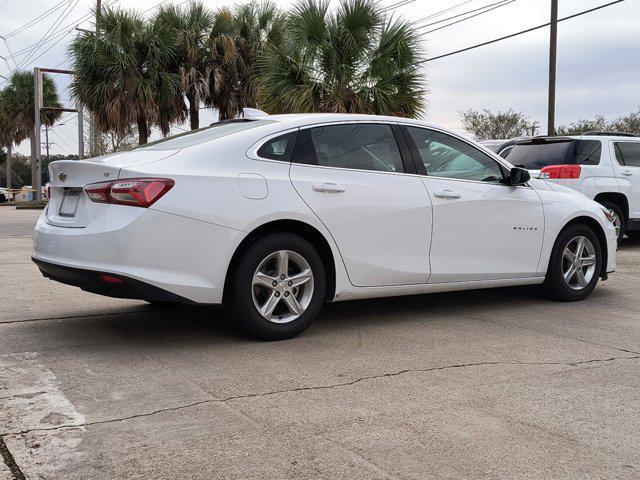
(301, 119)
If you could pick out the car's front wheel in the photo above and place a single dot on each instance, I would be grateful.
(278, 287)
(575, 264)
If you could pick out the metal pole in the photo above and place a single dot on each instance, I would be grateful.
(553, 43)
(80, 133)
(9, 153)
(46, 139)
(37, 96)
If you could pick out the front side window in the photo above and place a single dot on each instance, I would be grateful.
(449, 157)
(359, 146)
(279, 148)
(628, 153)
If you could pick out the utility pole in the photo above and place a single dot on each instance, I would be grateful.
(553, 44)
(36, 172)
(93, 130)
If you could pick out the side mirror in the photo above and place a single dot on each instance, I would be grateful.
(519, 176)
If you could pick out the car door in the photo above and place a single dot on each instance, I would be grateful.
(353, 177)
(628, 173)
(483, 229)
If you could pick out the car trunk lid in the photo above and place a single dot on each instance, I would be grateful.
(69, 206)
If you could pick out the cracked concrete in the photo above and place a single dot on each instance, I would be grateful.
(59, 418)
(490, 384)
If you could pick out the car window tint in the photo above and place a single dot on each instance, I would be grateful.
(629, 152)
(588, 152)
(535, 156)
(278, 148)
(205, 134)
(447, 156)
(363, 146)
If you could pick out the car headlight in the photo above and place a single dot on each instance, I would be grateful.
(609, 214)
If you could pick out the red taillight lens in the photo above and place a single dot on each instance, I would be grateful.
(136, 192)
(561, 171)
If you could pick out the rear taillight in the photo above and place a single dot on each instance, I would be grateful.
(136, 192)
(561, 171)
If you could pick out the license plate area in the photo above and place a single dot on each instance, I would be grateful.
(69, 203)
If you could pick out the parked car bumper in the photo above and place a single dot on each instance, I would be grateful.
(185, 257)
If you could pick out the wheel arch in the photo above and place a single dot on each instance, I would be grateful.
(598, 230)
(308, 232)
(618, 198)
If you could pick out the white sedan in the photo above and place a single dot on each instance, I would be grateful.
(273, 216)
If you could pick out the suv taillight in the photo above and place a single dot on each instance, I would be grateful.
(560, 171)
(136, 192)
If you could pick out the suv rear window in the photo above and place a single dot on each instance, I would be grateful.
(537, 154)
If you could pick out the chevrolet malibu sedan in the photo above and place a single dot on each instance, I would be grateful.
(274, 216)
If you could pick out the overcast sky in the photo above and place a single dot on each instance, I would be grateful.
(598, 57)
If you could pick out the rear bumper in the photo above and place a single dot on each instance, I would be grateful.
(95, 282)
(184, 257)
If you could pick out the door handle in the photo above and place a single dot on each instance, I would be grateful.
(448, 194)
(328, 187)
(627, 173)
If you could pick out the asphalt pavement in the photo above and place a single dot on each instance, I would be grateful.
(488, 384)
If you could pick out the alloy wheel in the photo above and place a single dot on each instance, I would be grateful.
(282, 286)
(578, 262)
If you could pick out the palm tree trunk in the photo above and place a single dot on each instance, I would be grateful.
(143, 131)
(194, 112)
(9, 152)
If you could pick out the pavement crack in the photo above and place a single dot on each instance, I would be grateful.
(318, 387)
(555, 334)
(10, 462)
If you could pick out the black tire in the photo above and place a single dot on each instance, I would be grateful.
(618, 211)
(554, 285)
(635, 234)
(240, 300)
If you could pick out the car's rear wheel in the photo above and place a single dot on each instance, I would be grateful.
(278, 287)
(618, 219)
(575, 264)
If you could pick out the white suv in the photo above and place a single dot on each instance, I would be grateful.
(603, 166)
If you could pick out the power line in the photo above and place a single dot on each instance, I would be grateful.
(399, 4)
(442, 12)
(63, 16)
(518, 33)
(467, 18)
(36, 20)
(460, 14)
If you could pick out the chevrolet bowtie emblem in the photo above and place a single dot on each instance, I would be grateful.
(62, 176)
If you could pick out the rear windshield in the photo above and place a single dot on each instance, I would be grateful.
(535, 156)
(205, 134)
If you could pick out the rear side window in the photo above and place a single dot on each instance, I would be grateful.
(628, 153)
(588, 152)
(279, 148)
(362, 146)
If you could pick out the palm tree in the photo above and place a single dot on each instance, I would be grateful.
(354, 60)
(192, 27)
(124, 77)
(18, 104)
(7, 135)
(222, 66)
(257, 26)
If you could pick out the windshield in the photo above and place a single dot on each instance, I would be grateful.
(534, 156)
(205, 134)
